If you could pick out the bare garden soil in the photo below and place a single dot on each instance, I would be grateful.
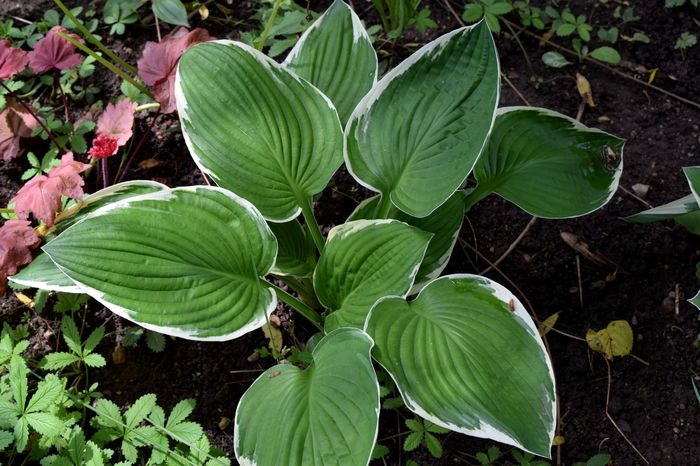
(651, 398)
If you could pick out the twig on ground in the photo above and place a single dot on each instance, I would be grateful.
(607, 413)
(578, 276)
(511, 247)
(678, 298)
(634, 196)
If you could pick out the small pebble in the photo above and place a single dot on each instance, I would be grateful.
(640, 189)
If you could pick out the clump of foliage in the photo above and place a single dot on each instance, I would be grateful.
(206, 263)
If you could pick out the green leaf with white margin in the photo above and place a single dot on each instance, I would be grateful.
(695, 300)
(327, 414)
(417, 134)
(363, 261)
(296, 254)
(256, 128)
(42, 273)
(464, 361)
(185, 262)
(336, 55)
(692, 174)
(548, 164)
(444, 223)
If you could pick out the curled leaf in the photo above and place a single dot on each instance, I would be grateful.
(614, 340)
(158, 64)
(12, 60)
(54, 52)
(16, 239)
(117, 121)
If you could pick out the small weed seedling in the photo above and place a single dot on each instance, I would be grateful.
(207, 263)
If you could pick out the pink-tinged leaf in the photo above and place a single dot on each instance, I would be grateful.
(103, 146)
(117, 120)
(12, 60)
(158, 65)
(15, 123)
(16, 239)
(41, 196)
(53, 51)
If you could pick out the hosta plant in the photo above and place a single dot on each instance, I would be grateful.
(199, 262)
(685, 211)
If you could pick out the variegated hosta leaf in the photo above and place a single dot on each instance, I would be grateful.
(184, 262)
(296, 254)
(466, 355)
(42, 273)
(444, 223)
(336, 55)
(363, 261)
(256, 128)
(548, 164)
(695, 300)
(692, 174)
(325, 415)
(417, 134)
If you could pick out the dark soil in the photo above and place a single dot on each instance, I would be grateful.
(651, 397)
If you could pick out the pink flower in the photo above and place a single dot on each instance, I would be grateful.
(103, 146)
(16, 238)
(12, 60)
(158, 65)
(15, 123)
(41, 196)
(53, 51)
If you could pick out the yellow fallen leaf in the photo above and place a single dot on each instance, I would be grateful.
(614, 340)
(274, 338)
(204, 12)
(24, 299)
(548, 324)
(652, 75)
(558, 440)
(584, 89)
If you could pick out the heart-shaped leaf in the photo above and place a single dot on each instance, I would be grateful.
(417, 134)
(363, 261)
(327, 414)
(256, 128)
(336, 55)
(466, 356)
(547, 164)
(296, 254)
(444, 223)
(184, 262)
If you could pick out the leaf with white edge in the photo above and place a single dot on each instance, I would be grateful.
(548, 164)
(296, 253)
(363, 261)
(417, 134)
(692, 174)
(256, 128)
(444, 223)
(672, 210)
(695, 300)
(336, 55)
(327, 414)
(186, 262)
(42, 273)
(466, 356)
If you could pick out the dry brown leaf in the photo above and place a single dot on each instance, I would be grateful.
(548, 324)
(584, 89)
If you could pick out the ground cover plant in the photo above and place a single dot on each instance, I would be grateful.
(191, 262)
(136, 123)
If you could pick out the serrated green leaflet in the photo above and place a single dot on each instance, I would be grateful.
(336, 55)
(325, 415)
(463, 360)
(417, 134)
(363, 261)
(296, 254)
(547, 164)
(256, 128)
(444, 223)
(184, 262)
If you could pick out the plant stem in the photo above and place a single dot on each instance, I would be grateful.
(300, 307)
(476, 194)
(148, 106)
(266, 31)
(66, 107)
(88, 35)
(312, 225)
(31, 111)
(107, 64)
(121, 172)
(105, 178)
(306, 293)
